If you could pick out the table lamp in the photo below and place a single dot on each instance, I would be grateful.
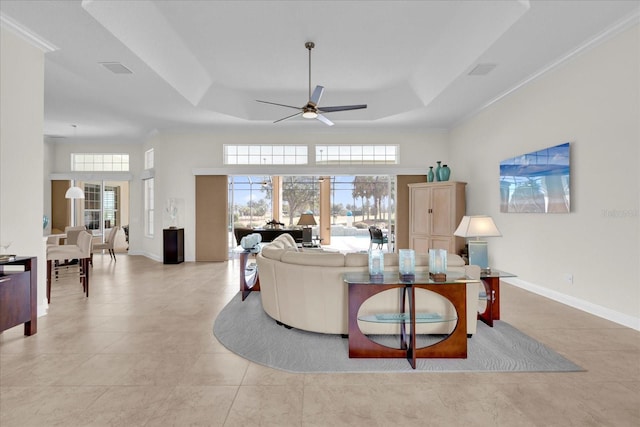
(477, 226)
(306, 221)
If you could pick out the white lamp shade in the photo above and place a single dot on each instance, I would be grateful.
(477, 226)
(74, 193)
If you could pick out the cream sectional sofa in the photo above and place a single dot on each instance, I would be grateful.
(304, 289)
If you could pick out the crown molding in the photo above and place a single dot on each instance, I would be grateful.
(26, 34)
(617, 28)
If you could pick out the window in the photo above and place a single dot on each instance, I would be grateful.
(148, 207)
(92, 162)
(92, 206)
(356, 154)
(266, 155)
(148, 159)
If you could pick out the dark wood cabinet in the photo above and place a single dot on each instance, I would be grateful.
(173, 245)
(18, 295)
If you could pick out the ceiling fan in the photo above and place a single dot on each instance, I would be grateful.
(311, 110)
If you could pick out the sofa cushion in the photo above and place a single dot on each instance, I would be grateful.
(322, 259)
(285, 241)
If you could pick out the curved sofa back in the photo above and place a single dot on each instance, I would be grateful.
(305, 289)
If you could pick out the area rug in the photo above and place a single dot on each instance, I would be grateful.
(245, 329)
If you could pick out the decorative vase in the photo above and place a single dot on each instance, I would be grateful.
(376, 262)
(430, 175)
(445, 172)
(407, 263)
(438, 170)
(437, 261)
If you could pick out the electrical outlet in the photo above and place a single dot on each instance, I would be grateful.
(568, 277)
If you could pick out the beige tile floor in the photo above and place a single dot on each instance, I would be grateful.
(140, 352)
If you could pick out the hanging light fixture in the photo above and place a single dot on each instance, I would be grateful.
(74, 193)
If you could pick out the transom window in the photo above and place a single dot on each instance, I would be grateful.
(92, 162)
(356, 154)
(266, 155)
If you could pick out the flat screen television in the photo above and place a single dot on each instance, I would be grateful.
(536, 182)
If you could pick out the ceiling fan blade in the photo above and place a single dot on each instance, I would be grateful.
(317, 94)
(341, 108)
(324, 120)
(288, 117)
(281, 105)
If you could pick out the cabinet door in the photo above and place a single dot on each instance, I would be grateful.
(420, 204)
(420, 244)
(441, 208)
(15, 299)
(442, 243)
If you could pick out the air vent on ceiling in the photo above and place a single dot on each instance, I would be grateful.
(482, 69)
(116, 67)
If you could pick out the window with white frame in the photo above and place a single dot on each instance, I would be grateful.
(148, 159)
(266, 155)
(357, 154)
(149, 204)
(99, 162)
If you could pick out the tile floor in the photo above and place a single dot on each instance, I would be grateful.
(140, 352)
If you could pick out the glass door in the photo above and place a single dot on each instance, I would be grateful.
(105, 206)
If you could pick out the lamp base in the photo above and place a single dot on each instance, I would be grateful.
(478, 254)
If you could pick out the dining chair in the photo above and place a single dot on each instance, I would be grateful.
(72, 234)
(59, 255)
(109, 243)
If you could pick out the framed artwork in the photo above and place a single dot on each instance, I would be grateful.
(537, 182)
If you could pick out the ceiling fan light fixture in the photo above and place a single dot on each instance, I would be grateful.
(311, 110)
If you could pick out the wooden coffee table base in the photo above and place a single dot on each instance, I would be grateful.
(453, 346)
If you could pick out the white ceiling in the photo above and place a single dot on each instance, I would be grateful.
(200, 65)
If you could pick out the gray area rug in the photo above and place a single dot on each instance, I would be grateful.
(245, 329)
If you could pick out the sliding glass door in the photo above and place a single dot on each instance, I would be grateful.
(355, 203)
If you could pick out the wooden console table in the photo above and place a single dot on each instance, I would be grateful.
(18, 295)
(362, 287)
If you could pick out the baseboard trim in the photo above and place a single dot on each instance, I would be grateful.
(146, 254)
(580, 304)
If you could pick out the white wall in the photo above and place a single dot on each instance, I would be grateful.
(591, 101)
(21, 149)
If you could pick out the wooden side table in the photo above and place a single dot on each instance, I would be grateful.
(491, 282)
(249, 280)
